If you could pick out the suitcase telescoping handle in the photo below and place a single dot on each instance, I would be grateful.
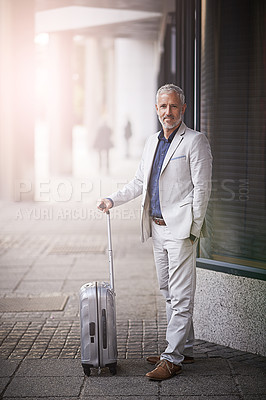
(110, 251)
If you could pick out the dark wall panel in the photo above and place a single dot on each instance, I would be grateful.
(233, 114)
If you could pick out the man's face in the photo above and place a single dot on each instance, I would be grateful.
(170, 110)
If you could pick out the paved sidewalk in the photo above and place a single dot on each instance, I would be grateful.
(46, 253)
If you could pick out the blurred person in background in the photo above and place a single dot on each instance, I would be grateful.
(103, 144)
(128, 134)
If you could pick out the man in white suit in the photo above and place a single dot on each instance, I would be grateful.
(174, 178)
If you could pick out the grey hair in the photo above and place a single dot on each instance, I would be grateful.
(170, 87)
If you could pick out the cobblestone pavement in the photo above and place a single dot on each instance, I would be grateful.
(55, 335)
(40, 350)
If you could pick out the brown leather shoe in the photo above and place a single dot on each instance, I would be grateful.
(164, 370)
(155, 359)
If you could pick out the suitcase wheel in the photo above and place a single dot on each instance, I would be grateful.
(87, 370)
(112, 369)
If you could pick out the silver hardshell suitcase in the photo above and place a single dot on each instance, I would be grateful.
(98, 320)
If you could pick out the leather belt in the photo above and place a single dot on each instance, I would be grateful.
(159, 221)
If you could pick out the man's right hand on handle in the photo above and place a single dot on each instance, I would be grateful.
(104, 204)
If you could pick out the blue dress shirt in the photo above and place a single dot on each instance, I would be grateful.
(162, 148)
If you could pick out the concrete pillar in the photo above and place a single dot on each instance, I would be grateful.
(136, 77)
(109, 81)
(17, 79)
(60, 103)
(94, 107)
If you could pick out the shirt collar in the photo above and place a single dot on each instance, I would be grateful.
(171, 137)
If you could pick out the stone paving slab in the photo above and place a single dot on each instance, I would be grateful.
(254, 397)
(8, 367)
(199, 385)
(118, 386)
(207, 367)
(211, 397)
(42, 387)
(255, 384)
(93, 397)
(149, 397)
(47, 367)
(248, 369)
(24, 304)
(226, 397)
(39, 286)
(3, 384)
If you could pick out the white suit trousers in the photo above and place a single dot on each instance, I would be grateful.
(175, 262)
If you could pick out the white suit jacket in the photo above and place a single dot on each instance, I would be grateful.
(184, 184)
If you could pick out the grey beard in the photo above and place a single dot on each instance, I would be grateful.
(167, 126)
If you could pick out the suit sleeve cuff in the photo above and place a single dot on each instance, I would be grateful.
(192, 237)
(109, 198)
(195, 231)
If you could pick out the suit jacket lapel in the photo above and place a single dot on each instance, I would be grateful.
(175, 143)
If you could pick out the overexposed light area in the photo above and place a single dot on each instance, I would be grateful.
(42, 39)
(76, 17)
